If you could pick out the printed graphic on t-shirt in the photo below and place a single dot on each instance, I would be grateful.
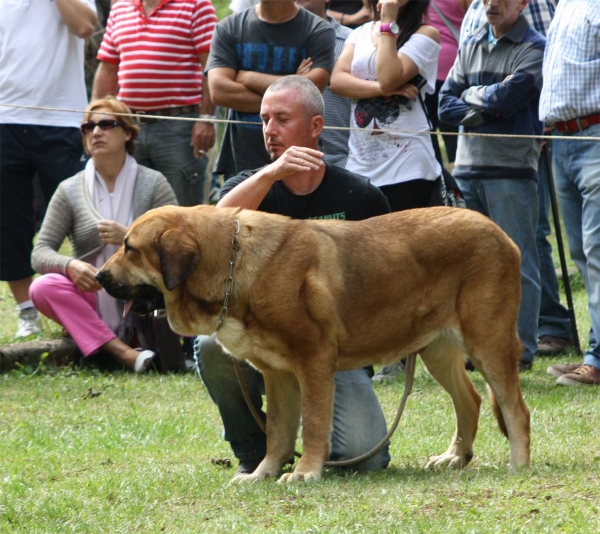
(270, 59)
(335, 216)
(384, 110)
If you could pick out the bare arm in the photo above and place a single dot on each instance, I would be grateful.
(203, 133)
(251, 192)
(227, 92)
(346, 84)
(106, 80)
(355, 19)
(259, 82)
(79, 17)
(465, 4)
(395, 69)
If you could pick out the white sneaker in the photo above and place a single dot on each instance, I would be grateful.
(29, 322)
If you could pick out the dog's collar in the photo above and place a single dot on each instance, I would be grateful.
(229, 281)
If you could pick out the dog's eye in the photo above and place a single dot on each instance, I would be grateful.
(127, 247)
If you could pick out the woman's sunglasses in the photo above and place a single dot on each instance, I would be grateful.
(104, 124)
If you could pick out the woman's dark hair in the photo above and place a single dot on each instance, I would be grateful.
(409, 21)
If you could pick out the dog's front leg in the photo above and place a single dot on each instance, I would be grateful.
(317, 387)
(283, 419)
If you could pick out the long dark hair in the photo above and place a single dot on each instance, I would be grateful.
(415, 12)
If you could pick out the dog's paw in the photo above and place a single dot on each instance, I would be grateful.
(450, 459)
(291, 478)
(245, 478)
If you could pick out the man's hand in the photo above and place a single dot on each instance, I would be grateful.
(294, 160)
(304, 67)
(111, 232)
(83, 275)
(203, 138)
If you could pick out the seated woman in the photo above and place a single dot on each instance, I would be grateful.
(94, 208)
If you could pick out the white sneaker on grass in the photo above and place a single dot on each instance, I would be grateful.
(29, 323)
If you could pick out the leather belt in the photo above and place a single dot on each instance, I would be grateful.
(166, 112)
(579, 124)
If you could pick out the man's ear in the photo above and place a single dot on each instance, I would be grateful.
(178, 254)
(317, 123)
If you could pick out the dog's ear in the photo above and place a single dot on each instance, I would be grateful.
(178, 254)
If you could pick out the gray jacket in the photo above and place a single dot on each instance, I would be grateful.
(71, 214)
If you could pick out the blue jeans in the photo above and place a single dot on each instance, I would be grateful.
(513, 205)
(165, 146)
(576, 166)
(554, 317)
(358, 421)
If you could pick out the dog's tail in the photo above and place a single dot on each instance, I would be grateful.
(497, 411)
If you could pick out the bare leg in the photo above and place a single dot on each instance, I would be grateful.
(20, 289)
(121, 352)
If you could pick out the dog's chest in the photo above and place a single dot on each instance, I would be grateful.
(253, 345)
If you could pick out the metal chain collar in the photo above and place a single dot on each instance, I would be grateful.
(229, 284)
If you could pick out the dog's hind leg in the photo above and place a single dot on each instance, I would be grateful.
(317, 388)
(499, 368)
(445, 360)
(283, 419)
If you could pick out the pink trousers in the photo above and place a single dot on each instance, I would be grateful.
(58, 298)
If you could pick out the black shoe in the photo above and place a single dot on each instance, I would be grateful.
(552, 346)
(248, 467)
(525, 366)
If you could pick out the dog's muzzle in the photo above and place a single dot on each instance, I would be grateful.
(145, 298)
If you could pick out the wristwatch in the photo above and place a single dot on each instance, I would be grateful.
(391, 28)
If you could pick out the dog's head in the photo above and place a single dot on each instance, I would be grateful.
(158, 254)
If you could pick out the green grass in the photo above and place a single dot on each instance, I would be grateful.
(89, 452)
(82, 451)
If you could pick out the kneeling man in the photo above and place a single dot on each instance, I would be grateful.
(300, 185)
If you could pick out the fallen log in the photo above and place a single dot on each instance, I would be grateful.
(60, 352)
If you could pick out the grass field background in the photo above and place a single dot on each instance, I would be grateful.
(86, 451)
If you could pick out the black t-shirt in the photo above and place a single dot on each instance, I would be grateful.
(341, 195)
(244, 42)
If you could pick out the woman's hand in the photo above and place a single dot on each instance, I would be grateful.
(83, 275)
(408, 90)
(111, 232)
(388, 9)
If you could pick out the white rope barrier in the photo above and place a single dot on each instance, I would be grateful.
(341, 128)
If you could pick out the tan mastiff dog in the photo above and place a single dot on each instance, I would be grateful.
(314, 297)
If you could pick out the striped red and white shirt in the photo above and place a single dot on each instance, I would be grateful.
(158, 54)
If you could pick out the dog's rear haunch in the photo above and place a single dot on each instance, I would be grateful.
(313, 297)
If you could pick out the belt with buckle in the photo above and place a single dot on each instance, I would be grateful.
(579, 124)
(166, 112)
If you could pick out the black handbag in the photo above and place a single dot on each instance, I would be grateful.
(154, 333)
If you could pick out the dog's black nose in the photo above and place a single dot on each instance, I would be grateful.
(102, 277)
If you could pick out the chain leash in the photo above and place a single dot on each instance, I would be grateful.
(229, 286)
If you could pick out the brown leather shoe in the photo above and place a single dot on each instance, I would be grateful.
(552, 346)
(563, 369)
(586, 375)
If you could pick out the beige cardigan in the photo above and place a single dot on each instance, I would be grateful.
(71, 213)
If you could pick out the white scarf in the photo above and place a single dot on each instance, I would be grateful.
(116, 206)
